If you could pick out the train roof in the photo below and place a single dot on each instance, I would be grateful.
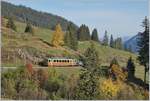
(60, 58)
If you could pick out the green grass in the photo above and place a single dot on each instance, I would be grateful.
(67, 71)
(43, 33)
(106, 53)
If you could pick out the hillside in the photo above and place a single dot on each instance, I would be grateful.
(38, 48)
(37, 18)
(40, 43)
(18, 48)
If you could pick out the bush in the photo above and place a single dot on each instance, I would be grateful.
(109, 89)
(117, 73)
(8, 88)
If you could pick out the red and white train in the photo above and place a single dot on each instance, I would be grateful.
(60, 62)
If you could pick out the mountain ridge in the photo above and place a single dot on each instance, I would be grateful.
(132, 43)
(37, 18)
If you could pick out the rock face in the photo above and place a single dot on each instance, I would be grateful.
(132, 43)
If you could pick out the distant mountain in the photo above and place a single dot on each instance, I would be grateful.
(131, 44)
(125, 38)
(37, 18)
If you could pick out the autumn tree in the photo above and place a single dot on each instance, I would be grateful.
(118, 73)
(29, 68)
(10, 24)
(109, 89)
(58, 36)
(94, 36)
(144, 47)
(105, 39)
(114, 61)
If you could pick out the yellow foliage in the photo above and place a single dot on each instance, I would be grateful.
(120, 75)
(109, 88)
(58, 36)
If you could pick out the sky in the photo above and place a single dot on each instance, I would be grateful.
(119, 17)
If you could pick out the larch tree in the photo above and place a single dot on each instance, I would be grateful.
(58, 36)
(114, 61)
(144, 47)
(94, 36)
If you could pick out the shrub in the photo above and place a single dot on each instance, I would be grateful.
(8, 88)
(109, 89)
(118, 73)
(29, 68)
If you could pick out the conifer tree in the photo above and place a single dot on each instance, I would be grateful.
(71, 38)
(67, 40)
(29, 29)
(87, 88)
(91, 59)
(111, 41)
(144, 47)
(83, 33)
(10, 24)
(105, 39)
(118, 43)
(130, 68)
(58, 36)
(94, 35)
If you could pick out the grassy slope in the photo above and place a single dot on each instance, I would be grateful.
(106, 53)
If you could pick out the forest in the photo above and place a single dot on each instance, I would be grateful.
(37, 18)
